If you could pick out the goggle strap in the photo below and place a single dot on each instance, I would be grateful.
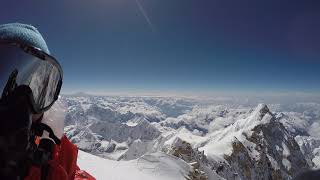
(38, 129)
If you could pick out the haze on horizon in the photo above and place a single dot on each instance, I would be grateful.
(181, 46)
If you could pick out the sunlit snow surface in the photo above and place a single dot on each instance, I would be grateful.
(157, 166)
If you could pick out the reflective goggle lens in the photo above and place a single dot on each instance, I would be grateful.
(18, 67)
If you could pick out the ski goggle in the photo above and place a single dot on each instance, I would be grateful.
(29, 67)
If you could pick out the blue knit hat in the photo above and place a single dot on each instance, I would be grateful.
(23, 33)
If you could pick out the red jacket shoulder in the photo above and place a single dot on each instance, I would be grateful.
(64, 164)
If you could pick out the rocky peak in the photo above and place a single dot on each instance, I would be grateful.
(260, 111)
(263, 108)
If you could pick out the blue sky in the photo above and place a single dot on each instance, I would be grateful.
(181, 45)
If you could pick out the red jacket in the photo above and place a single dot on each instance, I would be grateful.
(63, 166)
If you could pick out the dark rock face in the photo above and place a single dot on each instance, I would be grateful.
(275, 136)
(196, 159)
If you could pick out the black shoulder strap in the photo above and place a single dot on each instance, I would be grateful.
(45, 171)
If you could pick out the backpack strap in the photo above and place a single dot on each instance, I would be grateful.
(45, 171)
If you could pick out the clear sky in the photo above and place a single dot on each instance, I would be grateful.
(179, 45)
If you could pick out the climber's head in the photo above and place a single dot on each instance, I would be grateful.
(27, 69)
(30, 83)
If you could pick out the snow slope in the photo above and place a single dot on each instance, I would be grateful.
(157, 166)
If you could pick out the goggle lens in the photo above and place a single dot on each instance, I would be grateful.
(18, 67)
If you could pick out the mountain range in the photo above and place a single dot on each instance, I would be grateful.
(188, 138)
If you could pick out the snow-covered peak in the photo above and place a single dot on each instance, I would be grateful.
(260, 112)
(258, 140)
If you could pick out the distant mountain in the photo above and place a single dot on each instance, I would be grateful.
(78, 94)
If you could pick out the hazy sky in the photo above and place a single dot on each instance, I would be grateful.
(179, 45)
